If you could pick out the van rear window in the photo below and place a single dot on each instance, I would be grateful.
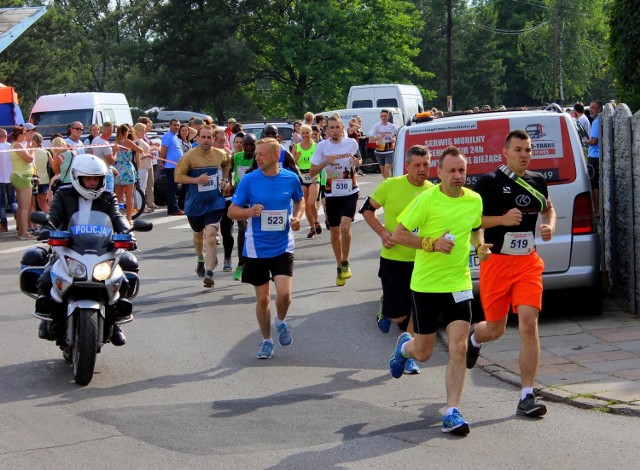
(482, 142)
(387, 103)
(362, 104)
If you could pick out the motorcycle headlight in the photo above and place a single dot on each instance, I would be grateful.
(76, 269)
(103, 270)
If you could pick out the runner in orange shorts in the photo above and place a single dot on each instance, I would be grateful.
(510, 280)
(512, 198)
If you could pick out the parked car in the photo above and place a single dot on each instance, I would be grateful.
(572, 257)
(183, 116)
(285, 129)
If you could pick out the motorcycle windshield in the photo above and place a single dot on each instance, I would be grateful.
(91, 232)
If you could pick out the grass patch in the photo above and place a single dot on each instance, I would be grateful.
(583, 395)
(603, 409)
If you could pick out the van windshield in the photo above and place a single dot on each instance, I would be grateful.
(50, 122)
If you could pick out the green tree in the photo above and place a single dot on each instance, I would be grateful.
(433, 51)
(564, 51)
(306, 55)
(512, 17)
(624, 55)
(196, 58)
(480, 72)
(477, 67)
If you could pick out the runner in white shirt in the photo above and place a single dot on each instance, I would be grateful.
(340, 157)
(384, 135)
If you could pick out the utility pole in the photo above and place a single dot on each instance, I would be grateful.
(449, 57)
(554, 94)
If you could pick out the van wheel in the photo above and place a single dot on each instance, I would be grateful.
(588, 301)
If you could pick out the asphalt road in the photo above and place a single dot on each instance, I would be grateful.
(188, 391)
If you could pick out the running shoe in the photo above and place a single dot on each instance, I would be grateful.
(454, 424)
(398, 361)
(200, 269)
(266, 350)
(472, 351)
(238, 274)
(318, 228)
(208, 279)
(312, 233)
(346, 271)
(528, 406)
(411, 367)
(339, 279)
(226, 267)
(384, 324)
(284, 335)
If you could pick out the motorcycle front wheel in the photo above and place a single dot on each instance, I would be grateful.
(85, 345)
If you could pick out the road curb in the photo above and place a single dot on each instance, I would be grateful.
(556, 394)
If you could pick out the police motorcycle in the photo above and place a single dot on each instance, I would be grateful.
(93, 279)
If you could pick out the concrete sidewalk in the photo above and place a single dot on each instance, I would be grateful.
(588, 362)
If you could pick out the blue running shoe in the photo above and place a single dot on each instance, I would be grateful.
(411, 367)
(266, 350)
(454, 424)
(398, 361)
(383, 322)
(284, 336)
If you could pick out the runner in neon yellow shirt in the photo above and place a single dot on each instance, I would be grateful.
(447, 218)
(396, 261)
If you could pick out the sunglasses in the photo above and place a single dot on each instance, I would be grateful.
(77, 128)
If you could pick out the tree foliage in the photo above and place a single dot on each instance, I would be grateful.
(563, 49)
(477, 68)
(307, 54)
(279, 58)
(624, 18)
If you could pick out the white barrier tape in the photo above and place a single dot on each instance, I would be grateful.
(70, 147)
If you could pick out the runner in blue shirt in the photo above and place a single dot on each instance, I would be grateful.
(265, 197)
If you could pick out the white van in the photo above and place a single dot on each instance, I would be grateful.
(572, 257)
(53, 113)
(370, 117)
(406, 97)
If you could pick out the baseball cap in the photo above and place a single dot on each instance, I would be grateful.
(231, 120)
(28, 126)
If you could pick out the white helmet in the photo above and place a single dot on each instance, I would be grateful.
(88, 165)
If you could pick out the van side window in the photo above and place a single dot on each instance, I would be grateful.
(387, 103)
(362, 104)
(110, 115)
(99, 119)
